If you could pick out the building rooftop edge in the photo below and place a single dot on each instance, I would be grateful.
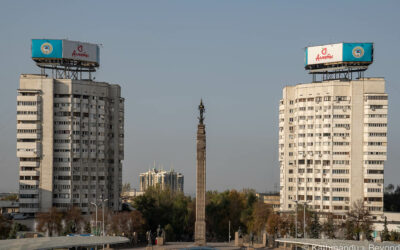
(329, 81)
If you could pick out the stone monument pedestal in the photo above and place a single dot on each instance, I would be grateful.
(160, 241)
(238, 241)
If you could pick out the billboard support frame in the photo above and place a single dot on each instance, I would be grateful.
(343, 73)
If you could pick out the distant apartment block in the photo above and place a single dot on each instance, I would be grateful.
(332, 144)
(270, 199)
(162, 179)
(70, 143)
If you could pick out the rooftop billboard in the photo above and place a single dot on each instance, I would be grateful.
(65, 49)
(339, 53)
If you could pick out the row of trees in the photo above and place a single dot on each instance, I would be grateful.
(72, 221)
(358, 222)
(175, 212)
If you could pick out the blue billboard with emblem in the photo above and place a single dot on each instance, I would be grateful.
(357, 52)
(46, 48)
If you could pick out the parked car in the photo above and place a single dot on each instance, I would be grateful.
(20, 217)
(7, 216)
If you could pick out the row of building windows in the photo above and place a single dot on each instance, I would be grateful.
(27, 103)
(373, 162)
(376, 115)
(67, 169)
(24, 112)
(61, 196)
(28, 187)
(375, 143)
(374, 107)
(86, 178)
(28, 196)
(374, 153)
(28, 131)
(374, 171)
(375, 125)
(341, 162)
(79, 96)
(26, 177)
(340, 171)
(325, 189)
(324, 180)
(59, 186)
(374, 190)
(377, 134)
(29, 205)
(376, 97)
(373, 181)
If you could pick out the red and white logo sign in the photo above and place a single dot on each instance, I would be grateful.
(324, 55)
(79, 52)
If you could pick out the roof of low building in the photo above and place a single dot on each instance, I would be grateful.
(60, 242)
(9, 204)
(336, 244)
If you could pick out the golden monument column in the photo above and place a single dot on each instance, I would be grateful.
(200, 225)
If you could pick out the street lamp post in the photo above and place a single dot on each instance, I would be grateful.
(296, 201)
(304, 218)
(229, 234)
(102, 207)
(95, 204)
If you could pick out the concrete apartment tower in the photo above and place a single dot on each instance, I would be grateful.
(332, 144)
(70, 143)
(200, 224)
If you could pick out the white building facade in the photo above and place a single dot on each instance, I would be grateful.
(333, 144)
(70, 143)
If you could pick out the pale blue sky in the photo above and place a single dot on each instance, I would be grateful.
(166, 55)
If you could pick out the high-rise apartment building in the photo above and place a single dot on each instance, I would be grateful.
(332, 144)
(162, 179)
(70, 143)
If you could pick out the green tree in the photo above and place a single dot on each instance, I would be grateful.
(73, 220)
(126, 223)
(87, 229)
(260, 215)
(394, 236)
(328, 227)
(315, 227)
(5, 227)
(358, 222)
(15, 228)
(50, 221)
(163, 207)
(385, 235)
(273, 225)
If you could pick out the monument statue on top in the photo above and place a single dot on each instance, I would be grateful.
(200, 225)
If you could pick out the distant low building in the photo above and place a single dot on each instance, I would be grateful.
(163, 179)
(9, 207)
(272, 199)
(128, 196)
